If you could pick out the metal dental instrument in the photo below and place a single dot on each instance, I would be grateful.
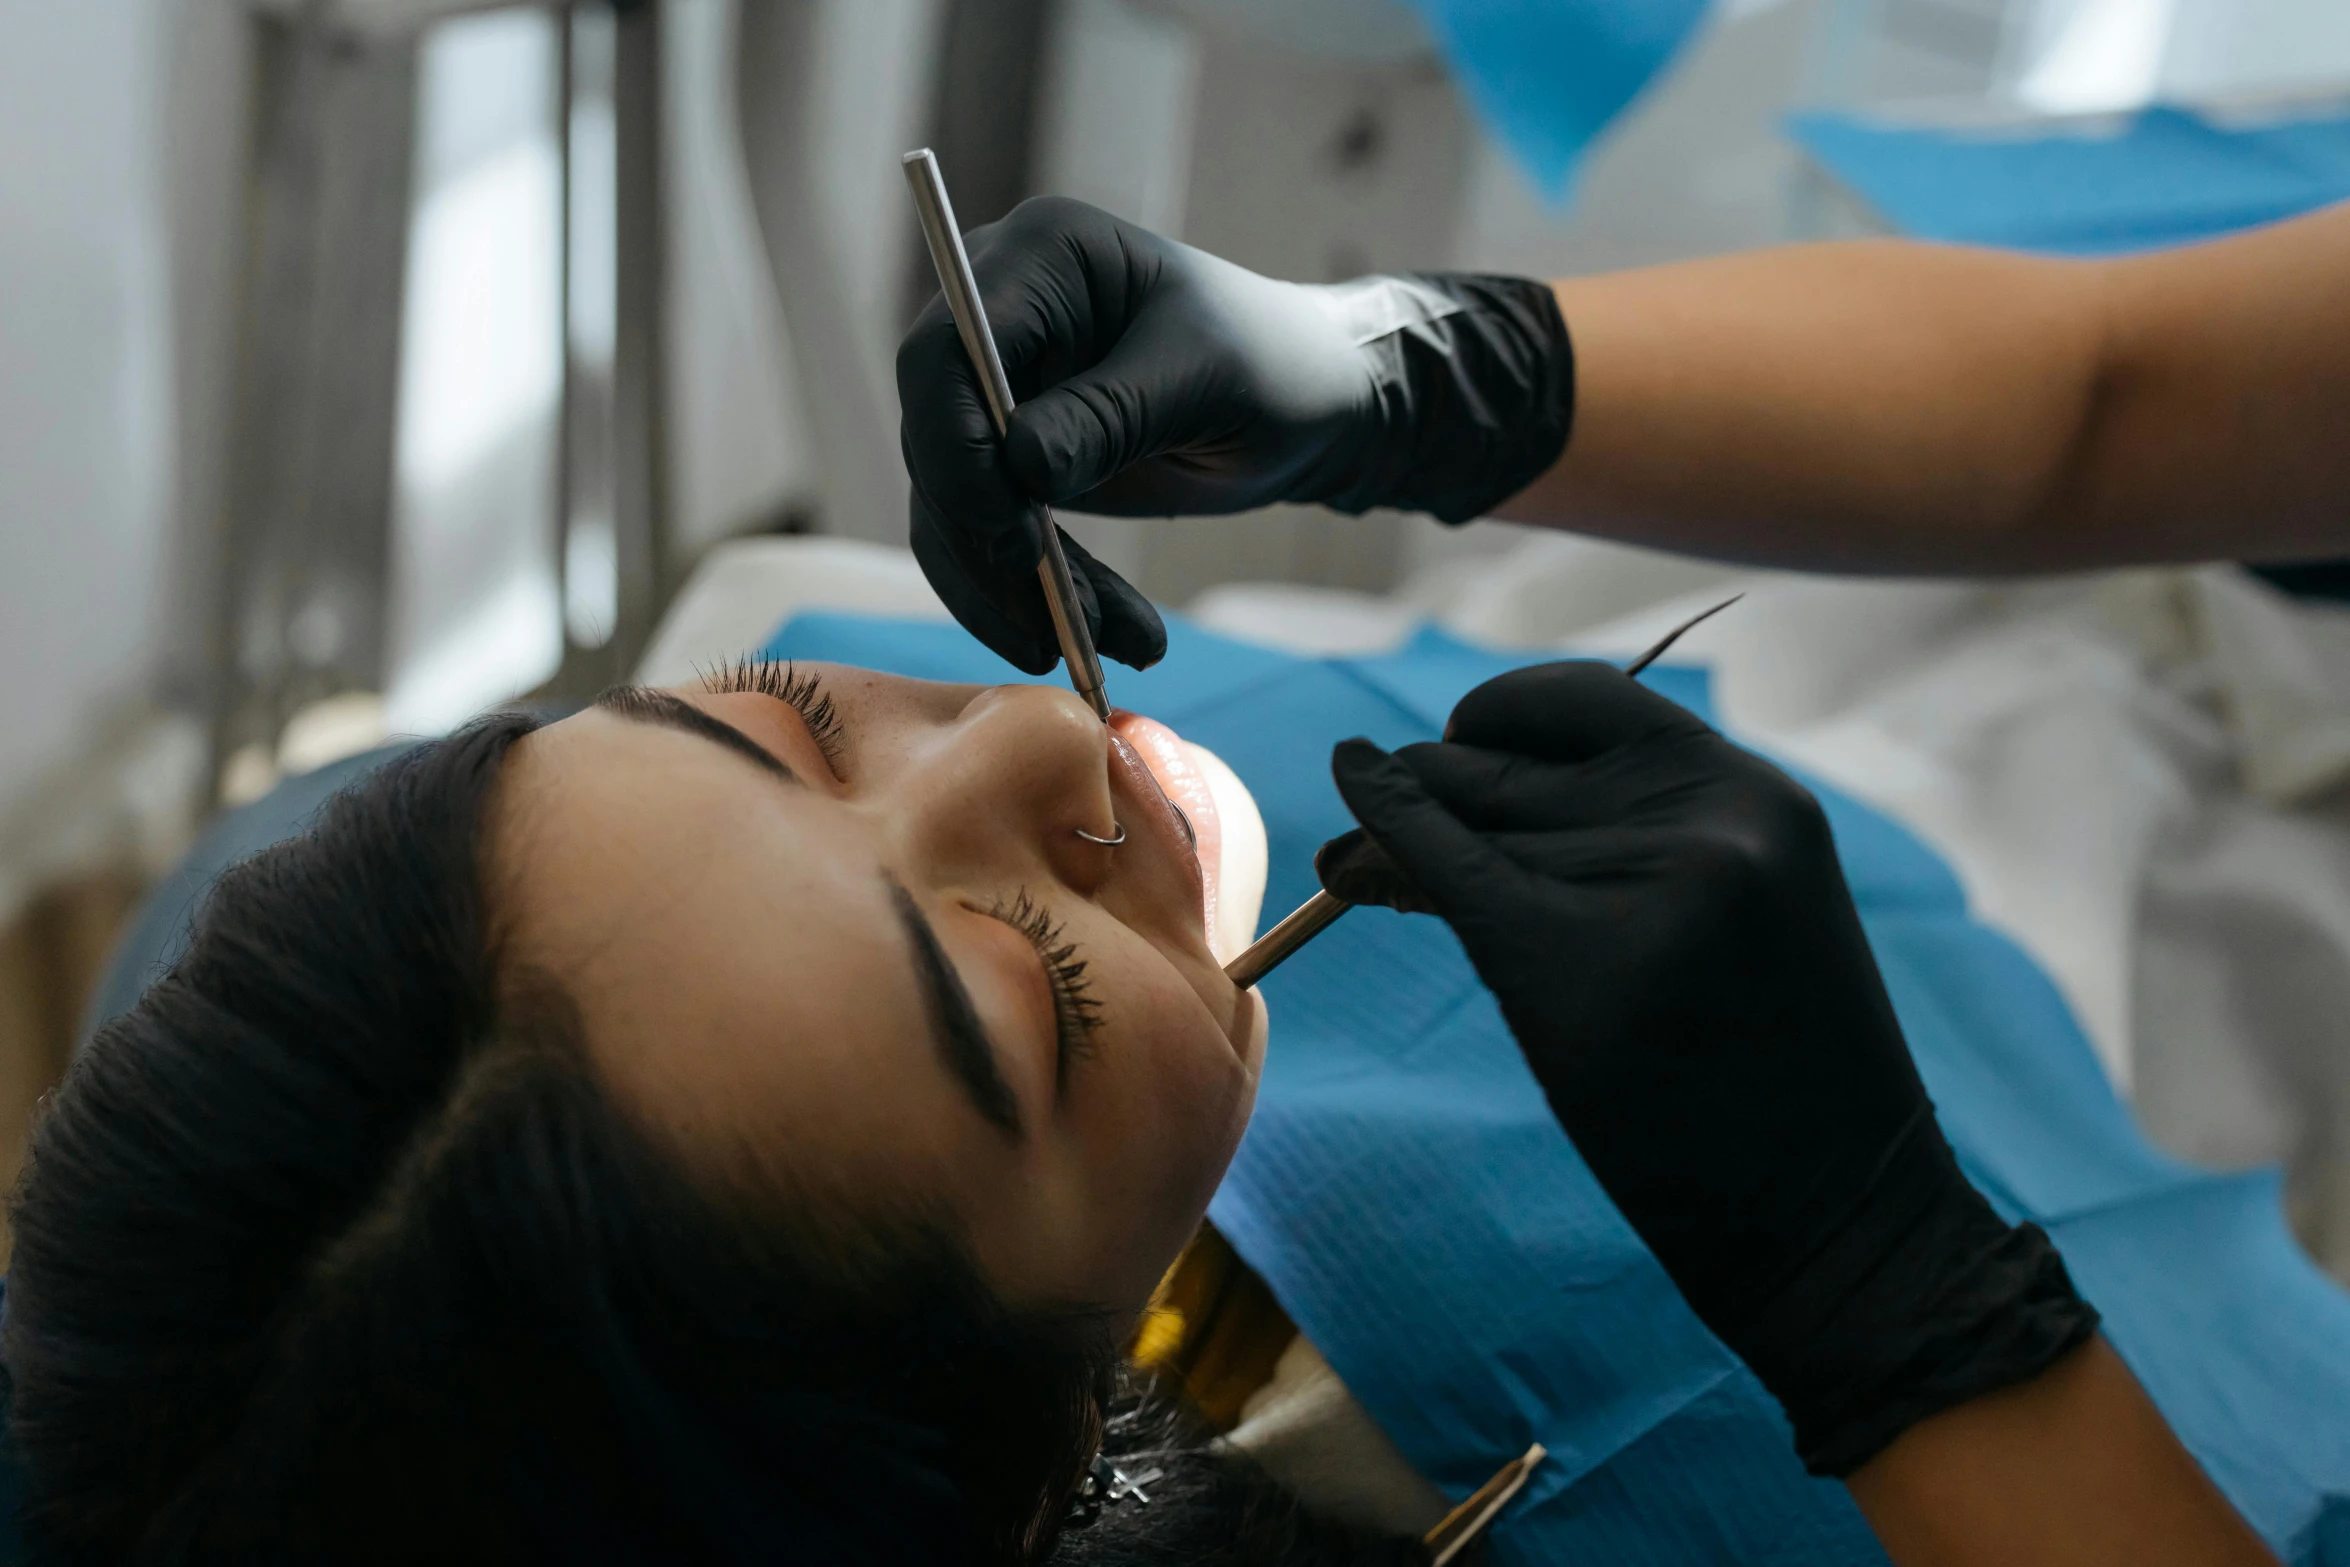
(1319, 912)
(962, 293)
(1278, 945)
(1465, 1523)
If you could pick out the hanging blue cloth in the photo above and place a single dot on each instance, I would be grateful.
(2163, 177)
(1408, 1196)
(1549, 75)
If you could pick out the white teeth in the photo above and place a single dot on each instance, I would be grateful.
(1238, 875)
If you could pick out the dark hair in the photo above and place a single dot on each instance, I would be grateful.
(333, 1248)
(1211, 1506)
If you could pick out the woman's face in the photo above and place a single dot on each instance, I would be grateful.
(838, 929)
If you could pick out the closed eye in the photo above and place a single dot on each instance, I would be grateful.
(785, 681)
(1077, 1012)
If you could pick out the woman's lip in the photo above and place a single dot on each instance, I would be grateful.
(1159, 816)
(1187, 793)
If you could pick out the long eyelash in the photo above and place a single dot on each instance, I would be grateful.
(1077, 1012)
(786, 683)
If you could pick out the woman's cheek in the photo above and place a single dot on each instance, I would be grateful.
(1172, 1092)
(1000, 969)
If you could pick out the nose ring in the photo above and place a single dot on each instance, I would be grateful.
(1107, 843)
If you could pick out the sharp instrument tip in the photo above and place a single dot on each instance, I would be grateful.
(1665, 643)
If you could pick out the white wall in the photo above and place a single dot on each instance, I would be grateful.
(737, 442)
(474, 611)
(121, 128)
(2089, 55)
(1697, 166)
(872, 85)
(747, 432)
(85, 373)
(475, 616)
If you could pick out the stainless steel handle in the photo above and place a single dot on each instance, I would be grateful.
(962, 293)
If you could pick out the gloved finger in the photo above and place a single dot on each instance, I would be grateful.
(1566, 712)
(1061, 282)
(1614, 862)
(1497, 790)
(1072, 438)
(1458, 874)
(1353, 868)
(1356, 868)
(1126, 626)
(954, 458)
(1064, 285)
(1144, 398)
(1003, 606)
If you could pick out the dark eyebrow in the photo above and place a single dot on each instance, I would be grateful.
(954, 1021)
(646, 705)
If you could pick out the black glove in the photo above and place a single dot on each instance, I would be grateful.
(1664, 921)
(1155, 380)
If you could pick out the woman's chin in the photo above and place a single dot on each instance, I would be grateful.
(1249, 1045)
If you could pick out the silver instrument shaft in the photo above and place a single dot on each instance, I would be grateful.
(1276, 946)
(1464, 1524)
(962, 294)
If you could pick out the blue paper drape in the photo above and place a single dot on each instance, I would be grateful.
(1548, 75)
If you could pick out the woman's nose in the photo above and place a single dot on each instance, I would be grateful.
(1016, 778)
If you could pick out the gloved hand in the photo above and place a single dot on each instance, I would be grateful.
(1154, 379)
(1664, 921)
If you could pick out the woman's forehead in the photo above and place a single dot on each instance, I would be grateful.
(601, 821)
(730, 941)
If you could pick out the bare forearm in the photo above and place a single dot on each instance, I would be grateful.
(1884, 406)
(2074, 1469)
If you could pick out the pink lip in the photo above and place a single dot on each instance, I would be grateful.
(1164, 761)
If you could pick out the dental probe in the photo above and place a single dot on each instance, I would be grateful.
(1319, 912)
(1461, 1527)
(962, 292)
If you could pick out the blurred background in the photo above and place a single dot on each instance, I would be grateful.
(364, 363)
